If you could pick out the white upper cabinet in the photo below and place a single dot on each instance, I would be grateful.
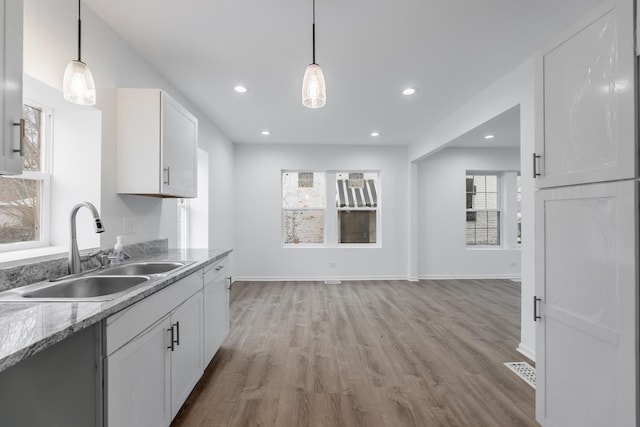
(11, 92)
(157, 145)
(585, 109)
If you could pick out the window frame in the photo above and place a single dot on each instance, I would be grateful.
(44, 176)
(377, 209)
(499, 210)
(183, 205)
(284, 209)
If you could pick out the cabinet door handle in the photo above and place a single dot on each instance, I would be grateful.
(219, 268)
(230, 282)
(168, 174)
(177, 325)
(535, 166)
(536, 316)
(170, 330)
(20, 150)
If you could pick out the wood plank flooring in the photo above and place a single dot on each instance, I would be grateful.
(367, 353)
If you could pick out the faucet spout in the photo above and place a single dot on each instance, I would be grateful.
(74, 254)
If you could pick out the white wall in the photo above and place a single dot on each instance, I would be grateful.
(199, 207)
(442, 250)
(50, 41)
(515, 88)
(260, 251)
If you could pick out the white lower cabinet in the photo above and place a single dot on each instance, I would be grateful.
(186, 351)
(216, 308)
(154, 355)
(139, 380)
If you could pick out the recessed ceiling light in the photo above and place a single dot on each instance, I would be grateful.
(240, 89)
(490, 136)
(265, 132)
(409, 91)
(375, 133)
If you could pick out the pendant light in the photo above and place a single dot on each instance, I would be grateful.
(314, 91)
(78, 85)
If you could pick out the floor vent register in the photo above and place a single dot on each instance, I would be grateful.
(524, 371)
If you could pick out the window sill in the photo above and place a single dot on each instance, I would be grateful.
(18, 257)
(336, 246)
(491, 248)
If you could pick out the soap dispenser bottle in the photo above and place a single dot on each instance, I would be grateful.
(117, 255)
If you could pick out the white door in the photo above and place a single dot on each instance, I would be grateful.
(138, 380)
(586, 120)
(186, 358)
(586, 279)
(179, 149)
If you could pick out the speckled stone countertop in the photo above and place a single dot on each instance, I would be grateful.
(27, 328)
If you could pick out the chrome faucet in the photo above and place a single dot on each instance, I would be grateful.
(74, 255)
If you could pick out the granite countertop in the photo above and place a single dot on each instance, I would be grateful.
(27, 328)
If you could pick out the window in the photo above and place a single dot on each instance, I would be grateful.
(357, 205)
(303, 207)
(24, 198)
(183, 223)
(482, 212)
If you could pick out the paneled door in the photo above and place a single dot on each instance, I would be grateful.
(586, 282)
(585, 110)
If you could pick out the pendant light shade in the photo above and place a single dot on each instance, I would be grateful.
(314, 90)
(78, 85)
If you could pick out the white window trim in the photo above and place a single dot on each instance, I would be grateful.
(378, 209)
(183, 206)
(286, 245)
(500, 210)
(45, 178)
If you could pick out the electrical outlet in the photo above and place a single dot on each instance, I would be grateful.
(128, 225)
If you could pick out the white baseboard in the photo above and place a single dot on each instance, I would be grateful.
(311, 279)
(406, 278)
(468, 276)
(527, 352)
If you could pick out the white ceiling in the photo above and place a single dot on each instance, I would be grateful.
(504, 127)
(369, 51)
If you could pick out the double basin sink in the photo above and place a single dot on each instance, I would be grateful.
(104, 285)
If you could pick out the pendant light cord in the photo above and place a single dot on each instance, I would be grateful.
(313, 29)
(79, 34)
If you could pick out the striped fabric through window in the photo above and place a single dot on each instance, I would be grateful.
(365, 197)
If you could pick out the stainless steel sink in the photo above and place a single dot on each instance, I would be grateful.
(84, 288)
(142, 268)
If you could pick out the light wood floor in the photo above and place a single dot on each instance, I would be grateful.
(369, 353)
